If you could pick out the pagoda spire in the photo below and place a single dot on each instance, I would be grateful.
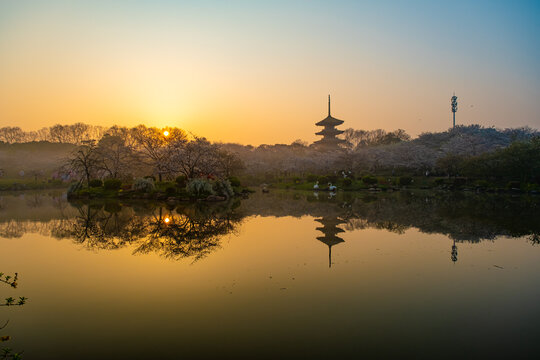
(330, 141)
(329, 105)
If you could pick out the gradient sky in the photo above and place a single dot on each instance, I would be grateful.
(260, 71)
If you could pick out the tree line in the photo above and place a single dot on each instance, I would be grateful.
(124, 153)
(120, 152)
(66, 134)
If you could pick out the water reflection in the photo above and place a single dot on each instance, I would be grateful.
(173, 232)
(330, 230)
(195, 230)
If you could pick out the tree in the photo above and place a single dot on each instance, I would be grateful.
(84, 160)
(156, 147)
(115, 157)
(196, 157)
(11, 135)
(229, 162)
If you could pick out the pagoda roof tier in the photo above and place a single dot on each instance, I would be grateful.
(330, 132)
(330, 240)
(330, 121)
(331, 221)
(329, 141)
(330, 231)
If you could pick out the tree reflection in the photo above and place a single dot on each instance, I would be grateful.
(184, 232)
(194, 230)
(453, 255)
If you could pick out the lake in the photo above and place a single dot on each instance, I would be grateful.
(279, 275)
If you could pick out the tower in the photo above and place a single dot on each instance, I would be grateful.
(329, 132)
(453, 102)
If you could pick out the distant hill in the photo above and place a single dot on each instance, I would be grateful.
(43, 156)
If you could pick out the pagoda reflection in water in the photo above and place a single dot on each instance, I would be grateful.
(330, 230)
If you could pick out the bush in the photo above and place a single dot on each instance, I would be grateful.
(199, 187)
(95, 183)
(112, 184)
(347, 182)
(170, 191)
(460, 181)
(323, 180)
(369, 180)
(144, 184)
(223, 188)
(297, 180)
(513, 185)
(482, 183)
(333, 178)
(439, 181)
(311, 178)
(234, 181)
(181, 181)
(73, 188)
(404, 180)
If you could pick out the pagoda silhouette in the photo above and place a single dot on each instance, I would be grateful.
(330, 231)
(329, 132)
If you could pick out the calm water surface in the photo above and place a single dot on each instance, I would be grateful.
(281, 275)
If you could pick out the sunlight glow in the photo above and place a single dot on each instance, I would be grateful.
(166, 133)
(167, 220)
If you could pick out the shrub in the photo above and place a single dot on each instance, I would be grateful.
(460, 181)
(513, 185)
(333, 178)
(95, 183)
(73, 188)
(311, 178)
(144, 184)
(297, 180)
(223, 188)
(323, 180)
(439, 181)
(369, 180)
(170, 191)
(405, 180)
(181, 181)
(347, 182)
(199, 187)
(482, 183)
(234, 181)
(112, 184)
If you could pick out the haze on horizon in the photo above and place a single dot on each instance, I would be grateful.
(253, 72)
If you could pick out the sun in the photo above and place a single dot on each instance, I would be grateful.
(167, 220)
(165, 133)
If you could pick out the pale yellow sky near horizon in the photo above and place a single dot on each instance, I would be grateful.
(261, 73)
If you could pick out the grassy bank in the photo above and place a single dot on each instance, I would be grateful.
(390, 183)
(165, 190)
(27, 184)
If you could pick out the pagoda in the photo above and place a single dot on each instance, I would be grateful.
(330, 230)
(329, 133)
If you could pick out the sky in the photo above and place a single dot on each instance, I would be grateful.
(258, 72)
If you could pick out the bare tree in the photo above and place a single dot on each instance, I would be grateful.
(11, 134)
(196, 157)
(84, 160)
(229, 162)
(115, 158)
(156, 146)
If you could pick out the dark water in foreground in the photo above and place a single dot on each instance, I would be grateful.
(282, 275)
